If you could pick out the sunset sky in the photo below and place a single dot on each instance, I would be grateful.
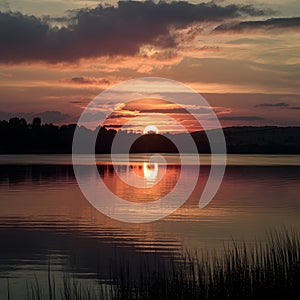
(242, 56)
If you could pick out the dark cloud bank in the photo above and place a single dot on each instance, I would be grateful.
(106, 30)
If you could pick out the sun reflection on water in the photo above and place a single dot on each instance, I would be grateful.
(150, 171)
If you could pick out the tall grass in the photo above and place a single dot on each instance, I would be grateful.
(269, 270)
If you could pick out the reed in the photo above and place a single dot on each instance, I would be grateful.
(243, 271)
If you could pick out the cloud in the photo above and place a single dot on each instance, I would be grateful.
(53, 116)
(113, 126)
(106, 30)
(240, 118)
(177, 110)
(121, 116)
(82, 80)
(4, 115)
(274, 23)
(46, 116)
(157, 106)
(280, 104)
(91, 117)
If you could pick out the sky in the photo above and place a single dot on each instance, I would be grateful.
(242, 56)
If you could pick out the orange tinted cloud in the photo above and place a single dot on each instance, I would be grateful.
(168, 116)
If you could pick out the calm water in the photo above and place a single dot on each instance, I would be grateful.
(45, 218)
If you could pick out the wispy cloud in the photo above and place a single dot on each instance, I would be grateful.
(240, 118)
(280, 104)
(274, 23)
(83, 80)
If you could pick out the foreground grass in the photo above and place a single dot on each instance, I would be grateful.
(269, 270)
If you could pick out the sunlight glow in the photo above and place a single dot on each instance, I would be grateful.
(150, 129)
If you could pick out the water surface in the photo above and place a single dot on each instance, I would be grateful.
(45, 218)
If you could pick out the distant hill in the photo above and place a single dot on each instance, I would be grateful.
(18, 137)
(260, 140)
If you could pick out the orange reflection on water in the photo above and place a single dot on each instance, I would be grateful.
(249, 198)
(154, 188)
(150, 171)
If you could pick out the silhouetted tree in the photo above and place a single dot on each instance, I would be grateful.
(14, 122)
(36, 122)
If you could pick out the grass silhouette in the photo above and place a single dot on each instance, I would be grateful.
(269, 269)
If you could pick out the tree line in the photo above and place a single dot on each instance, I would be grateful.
(19, 137)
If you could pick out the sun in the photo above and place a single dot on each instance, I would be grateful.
(150, 129)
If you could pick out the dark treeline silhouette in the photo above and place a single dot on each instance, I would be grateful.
(19, 137)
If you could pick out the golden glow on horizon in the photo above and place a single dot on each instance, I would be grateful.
(150, 129)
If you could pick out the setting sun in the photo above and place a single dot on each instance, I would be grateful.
(150, 129)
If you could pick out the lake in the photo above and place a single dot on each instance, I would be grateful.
(45, 219)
